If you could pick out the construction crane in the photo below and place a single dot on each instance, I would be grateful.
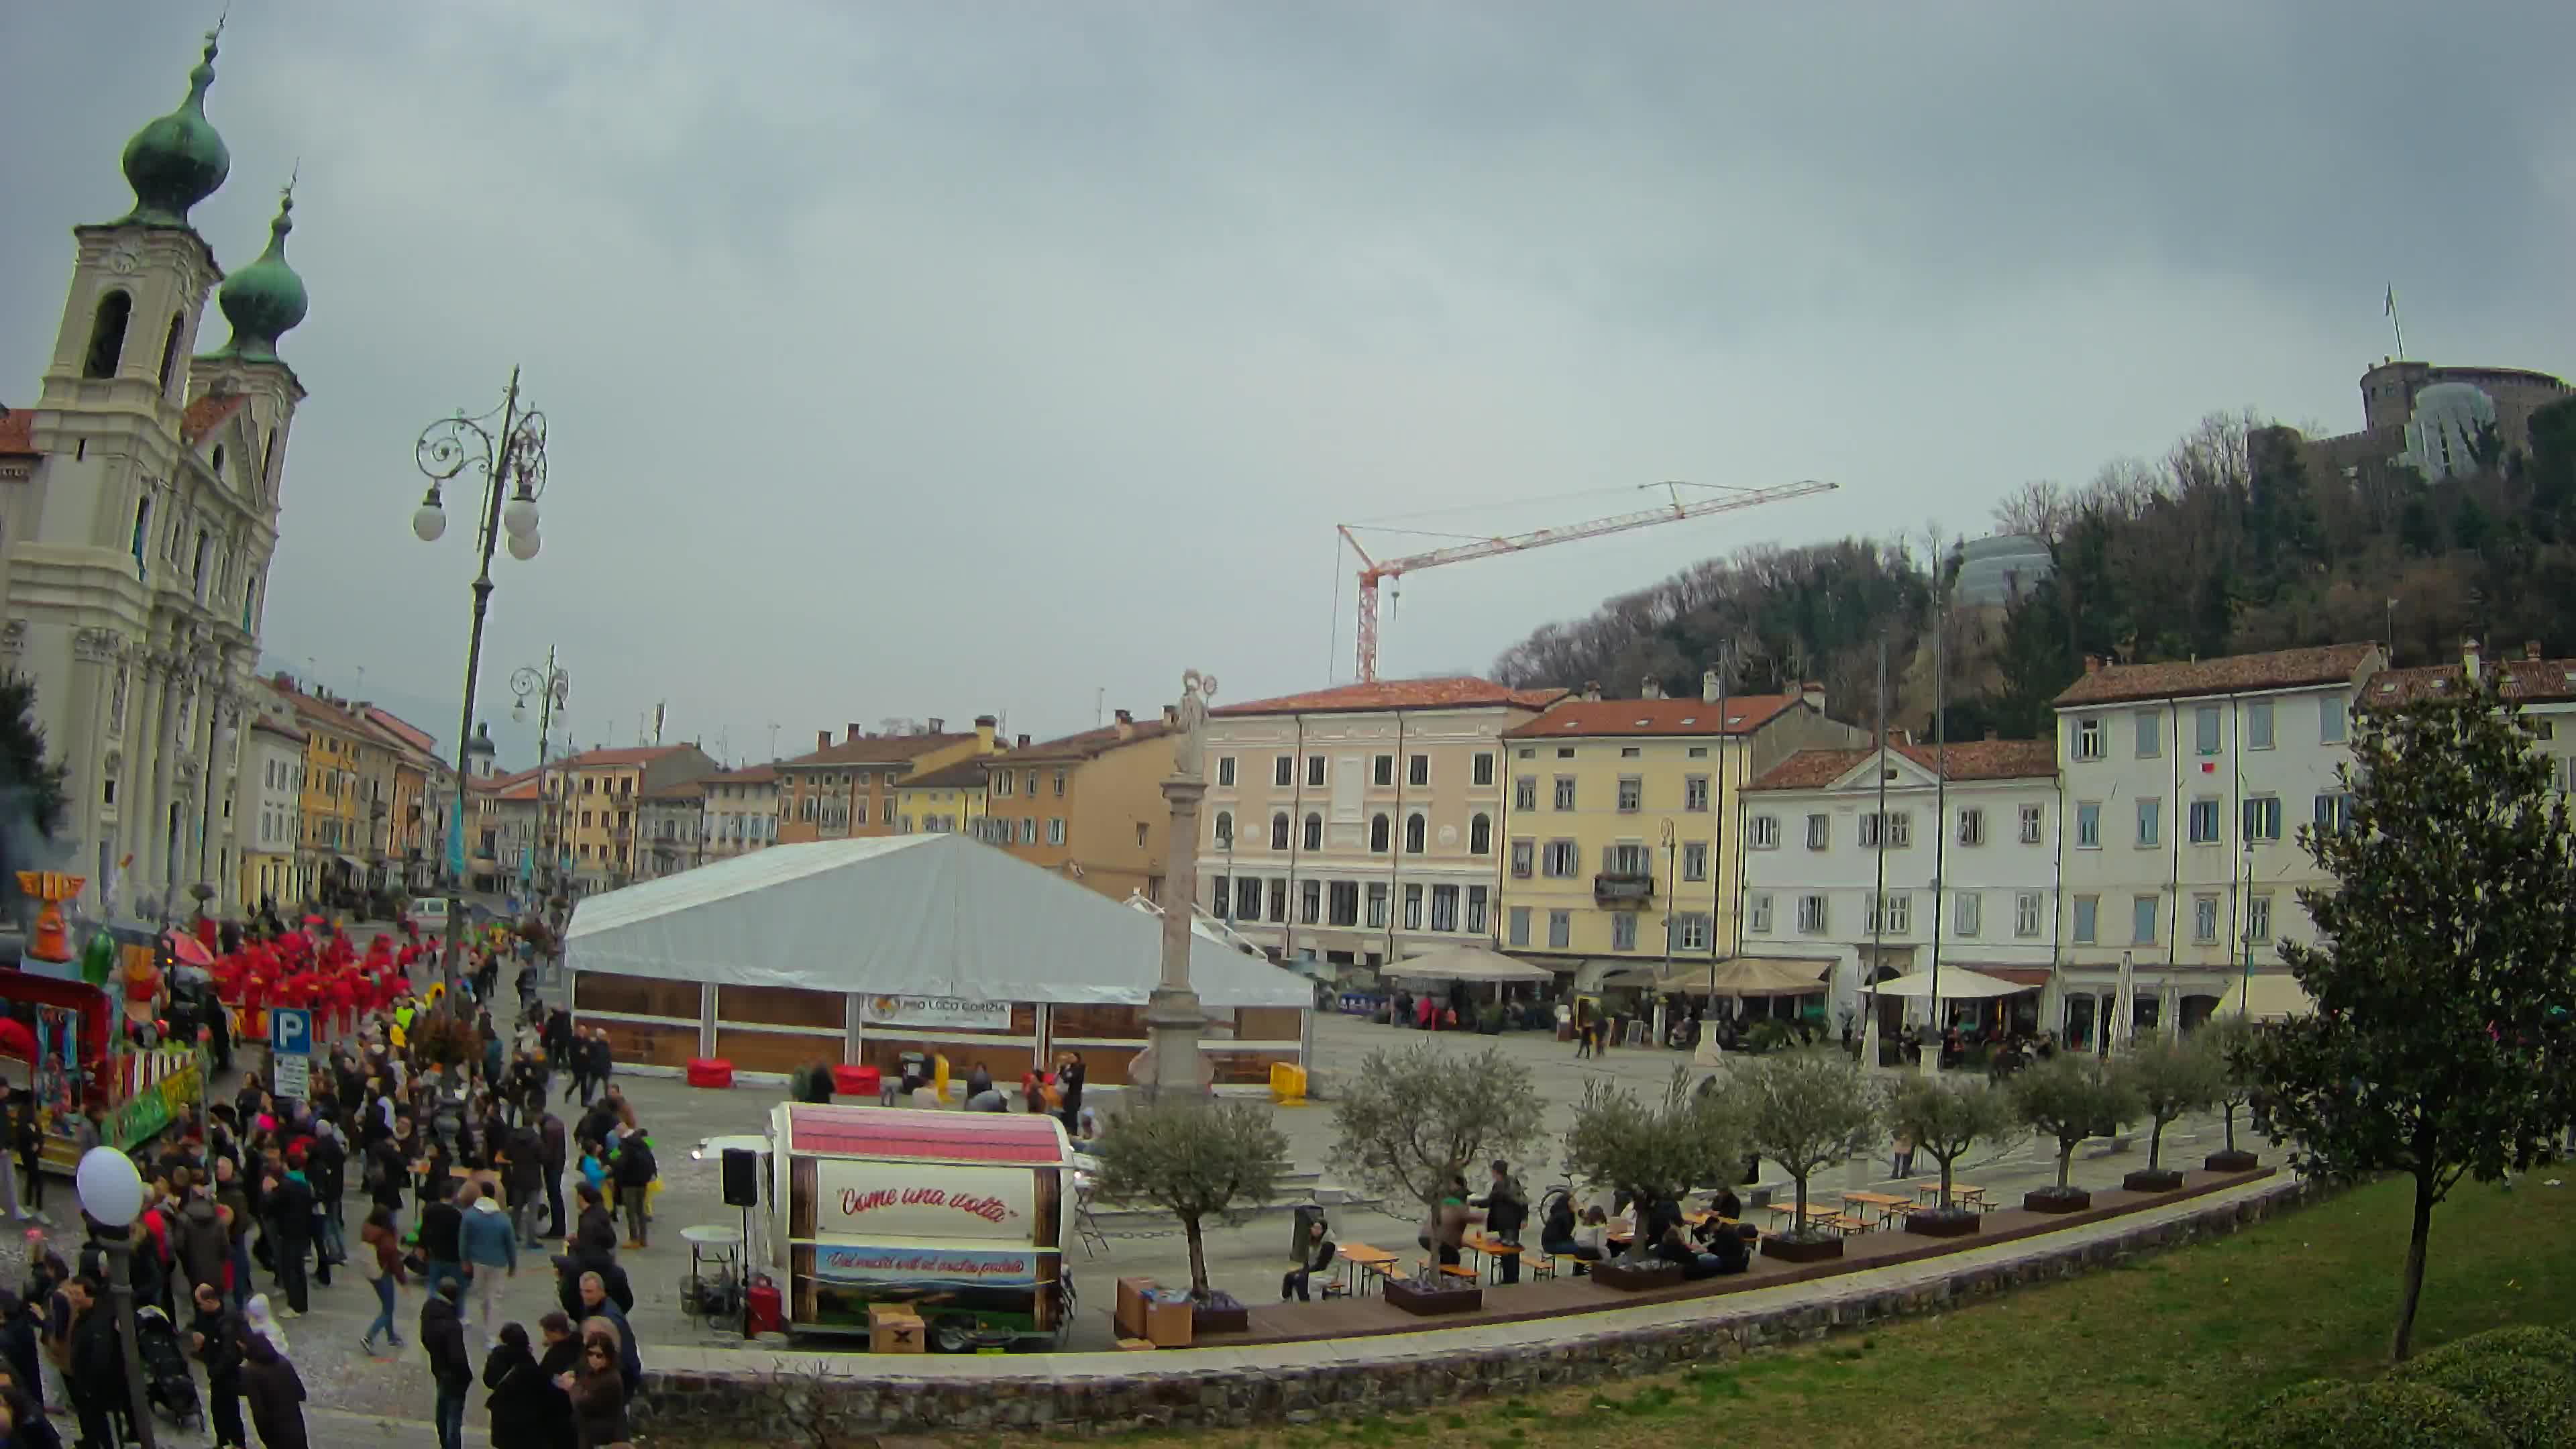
(1374, 571)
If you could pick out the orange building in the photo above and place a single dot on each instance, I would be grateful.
(848, 789)
(1089, 805)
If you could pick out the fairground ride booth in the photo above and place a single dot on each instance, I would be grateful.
(862, 951)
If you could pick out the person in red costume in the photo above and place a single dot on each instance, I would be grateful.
(340, 995)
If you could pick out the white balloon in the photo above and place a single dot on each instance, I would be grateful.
(110, 1189)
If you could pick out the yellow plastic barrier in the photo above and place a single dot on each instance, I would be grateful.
(1287, 1084)
(939, 1079)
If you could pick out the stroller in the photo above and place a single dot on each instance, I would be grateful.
(165, 1367)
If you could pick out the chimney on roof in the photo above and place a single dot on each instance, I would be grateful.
(1651, 688)
(1592, 690)
(822, 739)
(2531, 649)
(984, 724)
(1709, 687)
(1023, 742)
(1171, 714)
(1125, 724)
(2092, 663)
(937, 725)
(854, 732)
(1813, 692)
(2469, 656)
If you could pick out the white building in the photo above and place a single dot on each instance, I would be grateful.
(2185, 786)
(2544, 688)
(741, 811)
(269, 802)
(1962, 873)
(1359, 824)
(138, 511)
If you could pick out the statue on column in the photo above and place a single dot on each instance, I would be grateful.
(1189, 739)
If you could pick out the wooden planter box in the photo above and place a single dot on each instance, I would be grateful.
(1636, 1277)
(2153, 1179)
(1425, 1302)
(1222, 1313)
(1956, 1223)
(2056, 1200)
(2231, 1162)
(1820, 1249)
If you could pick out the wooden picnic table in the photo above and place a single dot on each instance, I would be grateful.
(1362, 1260)
(1968, 1193)
(1886, 1203)
(1490, 1247)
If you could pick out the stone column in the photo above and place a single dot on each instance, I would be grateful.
(1175, 1068)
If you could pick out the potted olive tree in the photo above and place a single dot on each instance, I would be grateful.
(1196, 1161)
(1654, 1152)
(2066, 1099)
(2169, 1076)
(1946, 1116)
(1804, 1110)
(2226, 1038)
(1409, 1125)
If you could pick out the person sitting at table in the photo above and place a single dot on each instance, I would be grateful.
(1732, 1247)
(1726, 1204)
(1673, 1248)
(1315, 1257)
(1556, 1234)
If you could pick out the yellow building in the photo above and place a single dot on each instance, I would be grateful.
(1618, 822)
(847, 790)
(339, 753)
(1089, 806)
(946, 801)
(597, 794)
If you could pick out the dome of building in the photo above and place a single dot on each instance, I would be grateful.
(266, 299)
(177, 161)
(1993, 571)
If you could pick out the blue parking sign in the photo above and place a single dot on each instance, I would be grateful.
(290, 1031)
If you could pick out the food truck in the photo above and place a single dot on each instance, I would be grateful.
(86, 1032)
(960, 1216)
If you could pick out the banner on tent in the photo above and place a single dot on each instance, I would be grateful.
(935, 1013)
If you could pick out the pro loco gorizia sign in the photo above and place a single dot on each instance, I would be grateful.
(935, 1013)
(964, 1266)
(884, 1201)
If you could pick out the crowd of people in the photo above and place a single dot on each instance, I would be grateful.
(443, 1136)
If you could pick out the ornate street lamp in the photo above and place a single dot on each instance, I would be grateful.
(111, 1193)
(551, 687)
(508, 448)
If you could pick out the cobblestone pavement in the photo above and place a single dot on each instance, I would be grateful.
(389, 1396)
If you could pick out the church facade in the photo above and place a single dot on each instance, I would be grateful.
(139, 505)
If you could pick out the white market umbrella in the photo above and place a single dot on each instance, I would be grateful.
(1957, 983)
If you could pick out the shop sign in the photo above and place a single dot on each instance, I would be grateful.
(961, 1266)
(917, 1200)
(935, 1013)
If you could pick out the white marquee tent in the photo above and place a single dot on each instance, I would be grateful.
(911, 915)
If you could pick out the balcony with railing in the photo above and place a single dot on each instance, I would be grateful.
(1613, 887)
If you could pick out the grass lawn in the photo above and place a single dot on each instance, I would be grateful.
(2168, 1351)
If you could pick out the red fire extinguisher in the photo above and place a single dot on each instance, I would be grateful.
(764, 1311)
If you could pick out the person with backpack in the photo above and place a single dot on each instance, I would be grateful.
(635, 1171)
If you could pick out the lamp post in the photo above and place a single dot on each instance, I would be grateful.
(508, 448)
(111, 1193)
(550, 687)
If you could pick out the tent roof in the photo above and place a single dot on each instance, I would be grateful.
(1958, 983)
(1736, 976)
(916, 915)
(1465, 963)
(2274, 997)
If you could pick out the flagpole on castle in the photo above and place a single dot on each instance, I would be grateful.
(2395, 322)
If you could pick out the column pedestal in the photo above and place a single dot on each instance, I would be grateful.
(1174, 1067)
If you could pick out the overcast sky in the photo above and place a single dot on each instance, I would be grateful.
(913, 360)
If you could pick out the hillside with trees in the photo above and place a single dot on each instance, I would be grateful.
(2223, 545)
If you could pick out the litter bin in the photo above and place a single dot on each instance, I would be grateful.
(1304, 1213)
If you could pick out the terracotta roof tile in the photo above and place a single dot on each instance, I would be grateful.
(1088, 744)
(874, 750)
(17, 432)
(2528, 681)
(1967, 760)
(747, 775)
(614, 757)
(1459, 692)
(2234, 673)
(964, 775)
(1578, 717)
(681, 791)
(208, 413)
(279, 728)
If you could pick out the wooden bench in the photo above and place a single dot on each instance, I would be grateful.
(1545, 1265)
(1458, 1270)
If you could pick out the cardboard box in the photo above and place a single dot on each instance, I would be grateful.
(1167, 1325)
(1129, 1312)
(894, 1328)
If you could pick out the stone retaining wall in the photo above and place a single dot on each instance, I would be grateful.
(834, 1399)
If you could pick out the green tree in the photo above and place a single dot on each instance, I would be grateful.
(1804, 1110)
(23, 765)
(1195, 1160)
(1653, 1150)
(2169, 1075)
(1946, 1116)
(2068, 1098)
(1412, 1119)
(2439, 1046)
